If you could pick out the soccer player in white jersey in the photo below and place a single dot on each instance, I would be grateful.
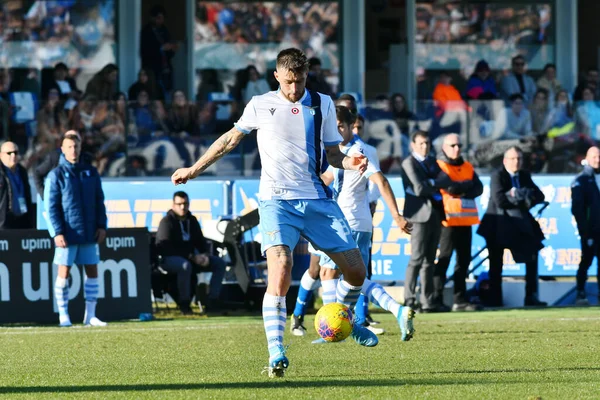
(351, 193)
(293, 125)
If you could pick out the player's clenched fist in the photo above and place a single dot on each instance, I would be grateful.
(181, 176)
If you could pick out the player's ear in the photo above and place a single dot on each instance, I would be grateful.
(275, 75)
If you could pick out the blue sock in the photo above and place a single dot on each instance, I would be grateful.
(361, 309)
(274, 318)
(377, 294)
(307, 285)
(347, 294)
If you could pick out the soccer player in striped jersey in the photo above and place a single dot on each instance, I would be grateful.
(293, 126)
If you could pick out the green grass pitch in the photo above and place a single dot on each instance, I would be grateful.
(524, 354)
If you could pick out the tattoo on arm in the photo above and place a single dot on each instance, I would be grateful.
(223, 145)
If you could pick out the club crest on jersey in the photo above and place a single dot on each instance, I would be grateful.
(311, 110)
(272, 110)
(295, 111)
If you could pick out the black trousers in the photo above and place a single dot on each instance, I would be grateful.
(453, 238)
(587, 256)
(424, 241)
(531, 275)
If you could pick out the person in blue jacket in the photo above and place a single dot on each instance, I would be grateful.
(585, 207)
(77, 216)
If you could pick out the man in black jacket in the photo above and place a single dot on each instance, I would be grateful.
(585, 207)
(180, 241)
(508, 224)
(16, 208)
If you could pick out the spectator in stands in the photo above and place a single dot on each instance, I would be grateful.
(588, 114)
(585, 198)
(51, 161)
(103, 84)
(590, 81)
(157, 50)
(255, 86)
(64, 84)
(518, 119)
(445, 95)
(209, 83)
(206, 121)
(182, 115)
(145, 82)
(549, 81)
(460, 215)
(402, 114)
(518, 82)
(562, 112)
(540, 112)
(316, 78)
(508, 224)
(423, 208)
(180, 241)
(77, 222)
(51, 123)
(481, 84)
(145, 119)
(16, 207)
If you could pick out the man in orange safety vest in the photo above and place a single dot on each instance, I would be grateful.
(461, 213)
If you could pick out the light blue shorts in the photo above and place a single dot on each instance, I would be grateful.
(80, 254)
(320, 221)
(363, 239)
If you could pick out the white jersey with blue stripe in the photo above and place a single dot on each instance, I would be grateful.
(291, 139)
(371, 154)
(351, 190)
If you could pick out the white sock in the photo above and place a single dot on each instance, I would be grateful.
(61, 294)
(377, 295)
(329, 290)
(308, 283)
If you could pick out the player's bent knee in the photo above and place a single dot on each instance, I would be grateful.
(279, 257)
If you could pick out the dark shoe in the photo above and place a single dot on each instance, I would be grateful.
(582, 299)
(442, 308)
(534, 302)
(186, 309)
(465, 307)
(370, 320)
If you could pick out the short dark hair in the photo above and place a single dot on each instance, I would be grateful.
(347, 96)
(517, 57)
(515, 148)
(548, 66)
(360, 118)
(70, 136)
(62, 66)
(416, 134)
(182, 194)
(293, 60)
(313, 61)
(516, 96)
(344, 115)
(157, 10)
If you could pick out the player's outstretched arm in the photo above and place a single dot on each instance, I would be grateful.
(337, 159)
(223, 145)
(390, 200)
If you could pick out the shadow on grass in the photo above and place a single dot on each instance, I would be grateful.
(301, 383)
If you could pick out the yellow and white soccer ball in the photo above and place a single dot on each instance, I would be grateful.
(334, 322)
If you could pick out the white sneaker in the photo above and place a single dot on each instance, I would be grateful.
(65, 322)
(94, 322)
(377, 331)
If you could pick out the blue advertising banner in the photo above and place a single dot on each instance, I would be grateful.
(143, 203)
(391, 247)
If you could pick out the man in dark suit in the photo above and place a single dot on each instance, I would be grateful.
(424, 209)
(508, 224)
(585, 207)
